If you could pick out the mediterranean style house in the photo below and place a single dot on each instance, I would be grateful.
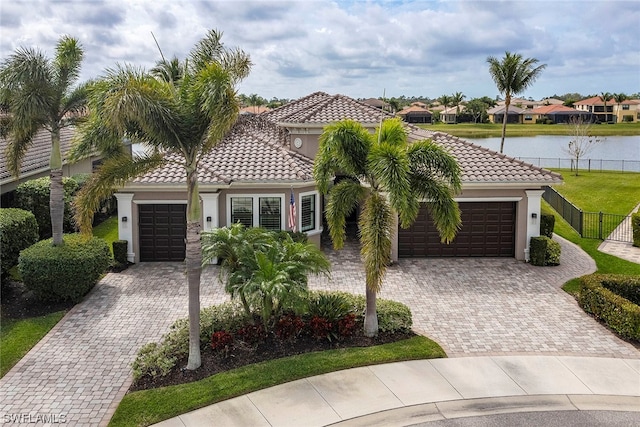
(36, 162)
(266, 161)
(625, 111)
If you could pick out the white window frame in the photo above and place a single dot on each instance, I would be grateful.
(318, 213)
(255, 203)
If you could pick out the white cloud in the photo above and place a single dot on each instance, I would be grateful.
(357, 48)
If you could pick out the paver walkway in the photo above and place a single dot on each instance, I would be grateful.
(622, 249)
(470, 306)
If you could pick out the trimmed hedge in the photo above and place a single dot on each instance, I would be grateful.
(67, 272)
(547, 222)
(544, 251)
(18, 231)
(599, 296)
(635, 225)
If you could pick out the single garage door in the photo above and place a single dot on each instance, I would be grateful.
(488, 230)
(162, 232)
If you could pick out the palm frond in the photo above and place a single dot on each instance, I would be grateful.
(94, 136)
(443, 209)
(431, 161)
(389, 164)
(19, 141)
(209, 49)
(376, 222)
(392, 132)
(347, 144)
(344, 198)
(66, 63)
(113, 173)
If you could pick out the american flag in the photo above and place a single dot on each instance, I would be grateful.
(292, 213)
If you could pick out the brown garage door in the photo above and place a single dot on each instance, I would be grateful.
(162, 232)
(488, 230)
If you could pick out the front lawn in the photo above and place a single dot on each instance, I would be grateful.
(107, 230)
(151, 406)
(18, 336)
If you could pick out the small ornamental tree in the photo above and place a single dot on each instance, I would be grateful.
(581, 141)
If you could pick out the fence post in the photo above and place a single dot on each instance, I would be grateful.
(589, 165)
(600, 216)
(581, 222)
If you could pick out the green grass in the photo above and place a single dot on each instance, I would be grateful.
(486, 130)
(609, 192)
(17, 337)
(151, 406)
(108, 230)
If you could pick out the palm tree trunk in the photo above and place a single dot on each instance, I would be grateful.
(193, 261)
(370, 315)
(56, 191)
(507, 101)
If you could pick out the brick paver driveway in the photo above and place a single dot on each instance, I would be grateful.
(470, 306)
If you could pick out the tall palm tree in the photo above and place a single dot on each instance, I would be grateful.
(456, 99)
(40, 93)
(605, 97)
(512, 74)
(444, 100)
(388, 177)
(619, 98)
(181, 120)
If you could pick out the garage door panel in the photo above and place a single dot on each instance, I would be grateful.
(488, 229)
(162, 231)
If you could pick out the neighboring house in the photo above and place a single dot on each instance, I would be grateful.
(515, 114)
(626, 111)
(254, 109)
(250, 176)
(415, 114)
(529, 104)
(450, 115)
(560, 114)
(35, 163)
(378, 103)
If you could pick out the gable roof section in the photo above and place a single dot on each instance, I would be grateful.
(549, 109)
(36, 159)
(480, 165)
(499, 109)
(319, 109)
(413, 109)
(594, 100)
(254, 151)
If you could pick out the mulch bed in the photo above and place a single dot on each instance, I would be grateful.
(214, 362)
(20, 303)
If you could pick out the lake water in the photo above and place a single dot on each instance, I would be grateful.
(613, 153)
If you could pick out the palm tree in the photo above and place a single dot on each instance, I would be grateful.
(40, 93)
(387, 178)
(512, 75)
(256, 101)
(456, 99)
(181, 120)
(619, 98)
(263, 267)
(605, 97)
(445, 100)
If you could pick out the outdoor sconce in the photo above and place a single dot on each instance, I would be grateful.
(534, 215)
(208, 219)
(124, 219)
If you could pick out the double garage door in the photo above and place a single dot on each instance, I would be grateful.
(488, 230)
(162, 231)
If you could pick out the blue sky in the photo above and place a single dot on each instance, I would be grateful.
(356, 48)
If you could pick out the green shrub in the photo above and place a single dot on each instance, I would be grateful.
(635, 225)
(626, 286)
(296, 236)
(620, 314)
(33, 196)
(120, 251)
(67, 272)
(153, 360)
(331, 306)
(18, 231)
(544, 251)
(547, 222)
(393, 316)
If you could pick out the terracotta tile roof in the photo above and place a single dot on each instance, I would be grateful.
(36, 158)
(413, 109)
(594, 100)
(253, 151)
(254, 109)
(320, 108)
(546, 109)
(480, 165)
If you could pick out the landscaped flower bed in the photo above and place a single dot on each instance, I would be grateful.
(230, 340)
